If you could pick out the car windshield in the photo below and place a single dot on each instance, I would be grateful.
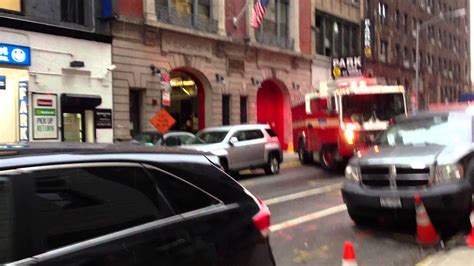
(362, 107)
(209, 137)
(443, 130)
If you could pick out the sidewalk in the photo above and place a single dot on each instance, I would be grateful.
(458, 256)
(290, 160)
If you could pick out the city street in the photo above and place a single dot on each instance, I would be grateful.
(310, 222)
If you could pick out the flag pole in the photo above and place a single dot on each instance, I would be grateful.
(235, 20)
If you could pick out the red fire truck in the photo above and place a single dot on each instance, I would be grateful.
(343, 116)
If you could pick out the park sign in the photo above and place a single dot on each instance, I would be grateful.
(343, 67)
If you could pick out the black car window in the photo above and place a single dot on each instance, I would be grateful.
(7, 220)
(253, 134)
(240, 135)
(271, 133)
(182, 196)
(82, 203)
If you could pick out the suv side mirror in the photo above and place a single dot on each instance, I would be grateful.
(233, 140)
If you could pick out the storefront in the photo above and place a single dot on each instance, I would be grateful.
(60, 92)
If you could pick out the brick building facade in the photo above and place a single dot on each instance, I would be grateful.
(444, 47)
(240, 75)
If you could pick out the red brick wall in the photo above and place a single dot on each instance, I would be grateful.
(232, 9)
(305, 26)
(133, 8)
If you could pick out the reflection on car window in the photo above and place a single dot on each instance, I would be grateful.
(182, 196)
(83, 203)
(209, 137)
(432, 130)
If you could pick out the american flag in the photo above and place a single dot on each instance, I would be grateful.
(258, 13)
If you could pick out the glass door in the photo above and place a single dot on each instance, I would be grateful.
(73, 127)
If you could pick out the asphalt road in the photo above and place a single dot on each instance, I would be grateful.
(310, 222)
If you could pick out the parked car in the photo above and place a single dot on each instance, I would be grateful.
(241, 147)
(169, 139)
(126, 205)
(431, 154)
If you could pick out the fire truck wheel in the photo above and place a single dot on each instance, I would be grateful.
(327, 158)
(273, 166)
(304, 156)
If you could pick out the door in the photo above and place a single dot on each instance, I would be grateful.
(255, 141)
(248, 151)
(73, 127)
(135, 112)
(237, 154)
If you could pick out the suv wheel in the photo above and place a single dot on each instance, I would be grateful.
(304, 156)
(273, 166)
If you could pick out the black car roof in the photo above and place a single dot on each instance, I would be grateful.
(22, 155)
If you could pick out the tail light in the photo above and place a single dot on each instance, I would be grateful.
(349, 133)
(261, 220)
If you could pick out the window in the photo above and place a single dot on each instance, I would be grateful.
(405, 22)
(73, 11)
(398, 54)
(383, 13)
(183, 196)
(78, 204)
(397, 19)
(271, 133)
(336, 37)
(243, 109)
(275, 22)
(383, 51)
(225, 110)
(248, 135)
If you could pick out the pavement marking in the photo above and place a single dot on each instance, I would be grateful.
(303, 194)
(308, 217)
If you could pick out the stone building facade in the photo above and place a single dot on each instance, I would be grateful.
(242, 75)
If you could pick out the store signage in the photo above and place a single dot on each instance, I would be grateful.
(15, 55)
(3, 83)
(346, 67)
(103, 118)
(165, 98)
(23, 110)
(45, 116)
(368, 38)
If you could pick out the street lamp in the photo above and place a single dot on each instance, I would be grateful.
(441, 17)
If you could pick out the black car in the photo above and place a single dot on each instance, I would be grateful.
(126, 205)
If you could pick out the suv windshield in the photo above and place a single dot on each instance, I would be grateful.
(444, 130)
(362, 107)
(209, 137)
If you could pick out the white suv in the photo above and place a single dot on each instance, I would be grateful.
(241, 147)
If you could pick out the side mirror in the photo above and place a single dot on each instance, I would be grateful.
(233, 140)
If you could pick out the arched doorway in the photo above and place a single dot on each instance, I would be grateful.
(188, 99)
(272, 105)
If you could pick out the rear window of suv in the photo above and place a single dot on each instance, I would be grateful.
(271, 132)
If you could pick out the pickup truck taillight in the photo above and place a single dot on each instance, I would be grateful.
(261, 220)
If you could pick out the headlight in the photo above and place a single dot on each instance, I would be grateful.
(448, 172)
(353, 173)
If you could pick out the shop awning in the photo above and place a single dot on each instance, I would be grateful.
(80, 101)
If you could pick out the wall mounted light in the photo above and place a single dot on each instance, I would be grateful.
(155, 71)
(255, 81)
(295, 86)
(219, 78)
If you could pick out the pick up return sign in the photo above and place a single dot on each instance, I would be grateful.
(346, 66)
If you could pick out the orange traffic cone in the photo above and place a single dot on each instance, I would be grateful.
(426, 234)
(348, 256)
(470, 238)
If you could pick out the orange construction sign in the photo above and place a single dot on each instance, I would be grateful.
(162, 121)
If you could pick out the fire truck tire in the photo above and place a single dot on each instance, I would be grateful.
(327, 158)
(304, 156)
(273, 166)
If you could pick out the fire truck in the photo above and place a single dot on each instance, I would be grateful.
(343, 117)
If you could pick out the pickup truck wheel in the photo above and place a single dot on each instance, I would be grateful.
(328, 158)
(273, 166)
(304, 156)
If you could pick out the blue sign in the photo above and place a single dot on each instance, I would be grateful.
(3, 82)
(15, 55)
(23, 110)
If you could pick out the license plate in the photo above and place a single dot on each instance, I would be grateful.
(390, 202)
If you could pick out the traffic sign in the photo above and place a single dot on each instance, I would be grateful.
(162, 121)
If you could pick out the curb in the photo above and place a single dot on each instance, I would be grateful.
(285, 165)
